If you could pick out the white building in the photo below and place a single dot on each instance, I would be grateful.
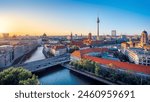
(10, 53)
(54, 41)
(58, 50)
(138, 56)
(46, 47)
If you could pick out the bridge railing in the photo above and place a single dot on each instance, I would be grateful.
(45, 60)
(41, 64)
(45, 65)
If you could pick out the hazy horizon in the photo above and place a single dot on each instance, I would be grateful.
(61, 17)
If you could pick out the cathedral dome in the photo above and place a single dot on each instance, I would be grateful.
(144, 32)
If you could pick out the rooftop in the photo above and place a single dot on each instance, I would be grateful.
(140, 51)
(121, 65)
(118, 64)
(80, 53)
(57, 47)
(79, 44)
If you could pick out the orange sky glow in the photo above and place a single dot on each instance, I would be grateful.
(54, 17)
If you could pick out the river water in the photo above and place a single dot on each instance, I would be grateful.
(60, 75)
(37, 55)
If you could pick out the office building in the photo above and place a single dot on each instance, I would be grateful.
(113, 33)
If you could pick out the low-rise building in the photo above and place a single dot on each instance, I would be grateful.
(58, 50)
(54, 41)
(78, 55)
(46, 47)
(83, 54)
(80, 44)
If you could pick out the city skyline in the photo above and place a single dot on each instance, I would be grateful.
(55, 17)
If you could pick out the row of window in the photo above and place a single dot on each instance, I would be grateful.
(148, 64)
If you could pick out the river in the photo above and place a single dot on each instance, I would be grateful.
(60, 75)
(37, 55)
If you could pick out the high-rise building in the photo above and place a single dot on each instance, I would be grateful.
(90, 36)
(113, 33)
(71, 37)
(81, 35)
(144, 38)
(76, 36)
(98, 21)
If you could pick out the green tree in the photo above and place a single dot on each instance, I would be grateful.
(90, 66)
(97, 69)
(17, 76)
(114, 75)
(73, 48)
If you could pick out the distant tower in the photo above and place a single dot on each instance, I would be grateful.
(98, 21)
(144, 38)
(71, 37)
(90, 36)
(76, 36)
(113, 33)
(81, 36)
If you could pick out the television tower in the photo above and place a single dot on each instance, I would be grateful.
(98, 21)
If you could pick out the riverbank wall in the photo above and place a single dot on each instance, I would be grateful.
(107, 82)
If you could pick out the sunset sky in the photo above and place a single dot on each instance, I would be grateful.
(61, 17)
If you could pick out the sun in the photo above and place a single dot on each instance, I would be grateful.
(3, 29)
(5, 25)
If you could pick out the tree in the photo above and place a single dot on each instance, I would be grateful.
(73, 48)
(114, 74)
(91, 66)
(97, 69)
(18, 76)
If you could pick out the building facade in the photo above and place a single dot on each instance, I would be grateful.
(143, 43)
(13, 51)
(6, 55)
(144, 38)
(84, 54)
(113, 33)
(138, 56)
(58, 50)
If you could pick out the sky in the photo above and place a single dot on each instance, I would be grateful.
(61, 17)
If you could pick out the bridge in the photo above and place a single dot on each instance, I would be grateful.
(45, 63)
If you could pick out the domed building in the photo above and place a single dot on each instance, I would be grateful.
(44, 37)
(144, 38)
(143, 43)
(138, 52)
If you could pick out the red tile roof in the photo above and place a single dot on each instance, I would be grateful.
(78, 43)
(121, 65)
(80, 53)
(117, 64)
(96, 42)
(77, 54)
(57, 47)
